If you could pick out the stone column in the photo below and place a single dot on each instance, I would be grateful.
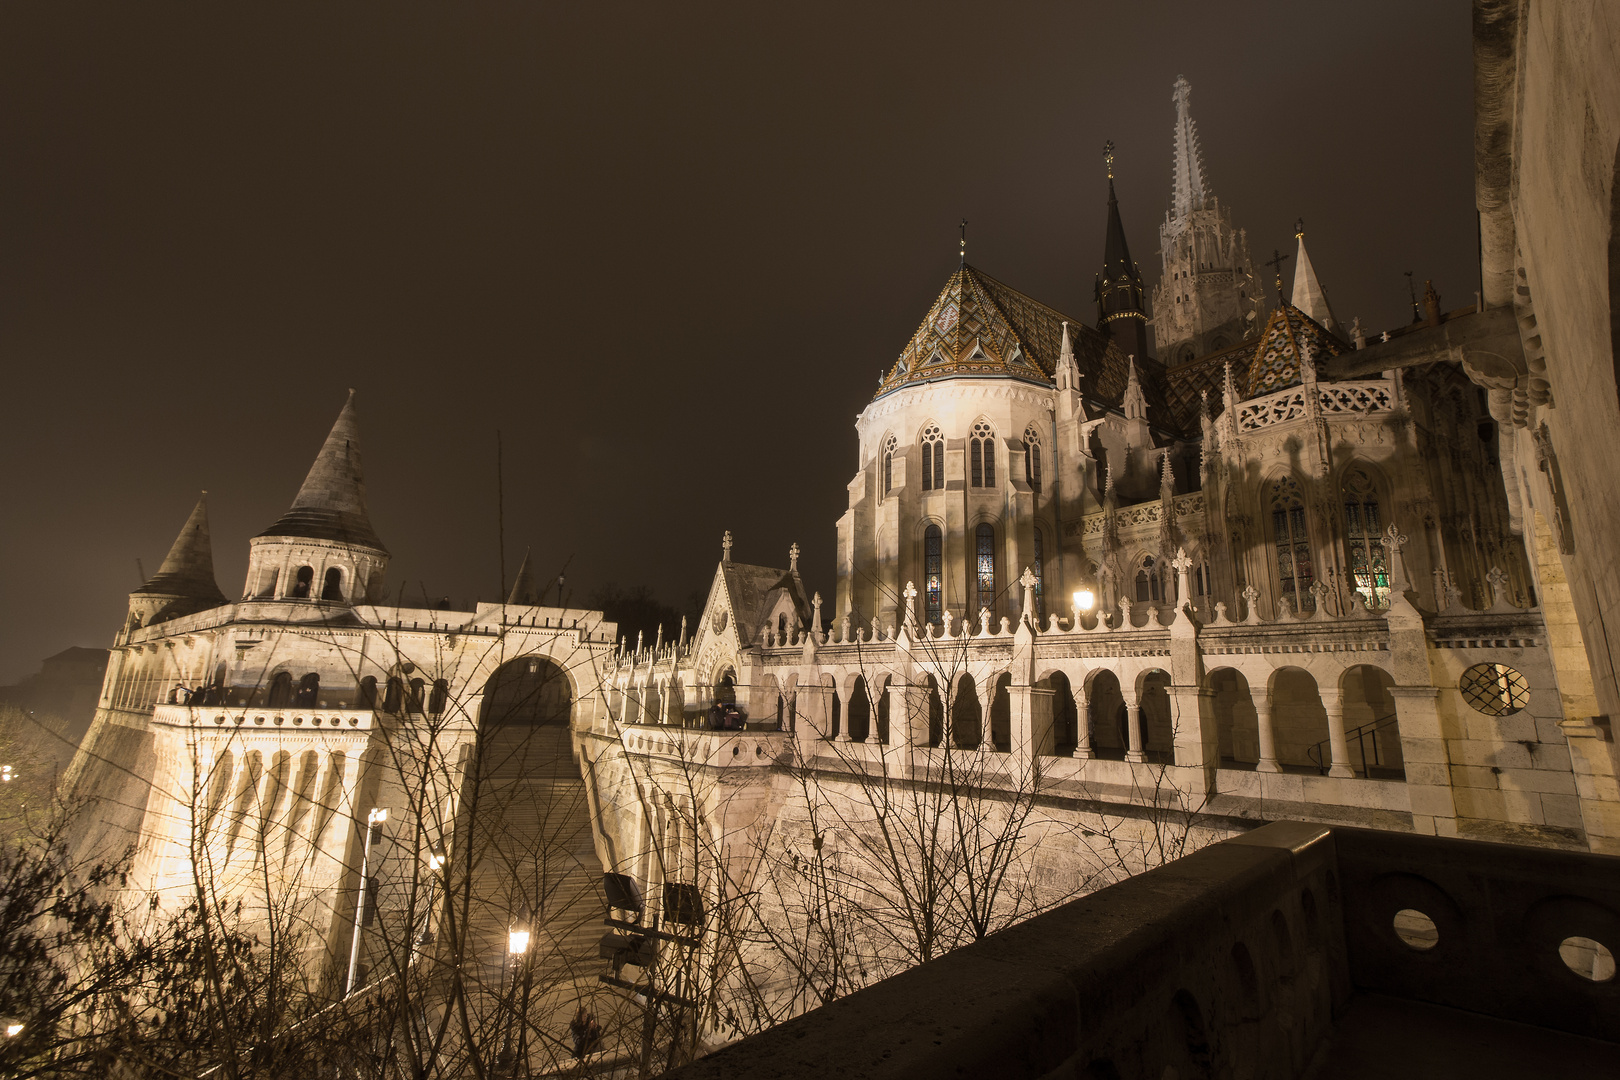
(1428, 765)
(1133, 725)
(1333, 703)
(1082, 723)
(1268, 739)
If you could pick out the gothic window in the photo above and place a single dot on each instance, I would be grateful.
(1293, 545)
(1362, 527)
(1201, 580)
(1032, 458)
(306, 578)
(982, 451)
(933, 574)
(888, 465)
(985, 566)
(332, 588)
(933, 459)
(1149, 580)
(1040, 576)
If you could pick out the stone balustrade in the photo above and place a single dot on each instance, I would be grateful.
(263, 719)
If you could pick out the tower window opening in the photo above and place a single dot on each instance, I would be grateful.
(301, 586)
(332, 588)
(888, 465)
(1293, 545)
(982, 450)
(985, 566)
(395, 695)
(309, 689)
(417, 686)
(934, 574)
(281, 689)
(439, 698)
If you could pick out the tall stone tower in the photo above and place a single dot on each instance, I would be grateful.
(1121, 300)
(1206, 298)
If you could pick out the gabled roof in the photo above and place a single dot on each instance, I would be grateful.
(979, 327)
(1276, 358)
(331, 504)
(188, 569)
(752, 591)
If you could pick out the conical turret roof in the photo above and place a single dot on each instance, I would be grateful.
(523, 592)
(188, 569)
(331, 504)
(1309, 295)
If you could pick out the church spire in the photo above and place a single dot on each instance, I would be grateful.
(1308, 295)
(331, 504)
(1189, 190)
(1121, 300)
(523, 592)
(188, 569)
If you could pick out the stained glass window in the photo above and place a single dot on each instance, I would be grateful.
(982, 451)
(1040, 576)
(1032, 458)
(888, 465)
(933, 459)
(985, 546)
(934, 574)
(1149, 580)
(1363, 526)
(1293, 545)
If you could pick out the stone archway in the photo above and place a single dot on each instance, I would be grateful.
(524, 834)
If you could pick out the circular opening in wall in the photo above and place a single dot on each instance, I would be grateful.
(1416, 929)
(258, 719)
(1587, 958)
(219, 719)
(1494, 689)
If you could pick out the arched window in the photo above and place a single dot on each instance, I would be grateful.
(309, 689)
(301, 586)
(1032, 458)
(933, 459)
(1039, 568)
(982, 451)
(1201, 580)
(332, 587)
(933, 574)
(1149, 580)
(281, 690)
(395, 696)
(439, 697)
(368, 692)
(1293, 544)
(417, 686)
(1362, 528)
(888, 465)
(984, 547)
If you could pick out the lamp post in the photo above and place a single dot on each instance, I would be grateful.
(1083, 601)
(435, 861)
(517, 948)
(375, 818)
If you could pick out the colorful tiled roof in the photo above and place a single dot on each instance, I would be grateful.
(980, 327)
(1276, 359)
(1186, 384)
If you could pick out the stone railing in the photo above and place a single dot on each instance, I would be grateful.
(1371, 396)
(1240, 959)
(715, 749)
(262, 718)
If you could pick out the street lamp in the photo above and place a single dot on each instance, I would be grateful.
(436, 861)
(1083, 601)
(13, 1030)
(5, 774)
(517, 943)
(375, 819)
(517, 946)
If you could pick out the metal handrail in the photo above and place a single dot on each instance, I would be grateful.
(1360, 735)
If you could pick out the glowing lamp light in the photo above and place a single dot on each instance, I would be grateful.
(377, 815)
(517, 942)
(435, 862)
(1083, 600)
(5, 774)
(13, 1030)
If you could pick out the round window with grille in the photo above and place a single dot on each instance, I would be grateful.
(1494, 689)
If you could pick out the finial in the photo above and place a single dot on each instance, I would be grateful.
(725, 547)
(964, 242)
(911, 605)
(1412, 289)
(793, 558)
(1108, 157)
(1299, 229)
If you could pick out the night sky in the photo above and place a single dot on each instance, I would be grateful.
(665, 250)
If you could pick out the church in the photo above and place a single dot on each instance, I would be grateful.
(1182, 566)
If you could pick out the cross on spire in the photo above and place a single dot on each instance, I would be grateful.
(1277, 259)
(964, 241)
(1108, 157)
